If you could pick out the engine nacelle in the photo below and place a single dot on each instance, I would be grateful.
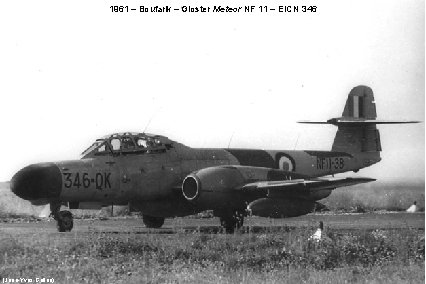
(213, 188)
(281, 208)
(210, 188)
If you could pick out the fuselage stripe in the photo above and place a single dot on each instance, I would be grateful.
(356, 106)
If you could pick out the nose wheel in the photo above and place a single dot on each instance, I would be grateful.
(64, 219)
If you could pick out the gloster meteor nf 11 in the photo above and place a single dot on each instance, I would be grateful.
(162, 178)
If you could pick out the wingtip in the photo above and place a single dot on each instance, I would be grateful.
(362, 179)
(312, 122)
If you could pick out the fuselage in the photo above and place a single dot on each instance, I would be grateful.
(155, 175)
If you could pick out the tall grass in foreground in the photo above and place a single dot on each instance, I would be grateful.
(392, 256)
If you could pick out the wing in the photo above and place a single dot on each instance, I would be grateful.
(291, 198)
(303, 184)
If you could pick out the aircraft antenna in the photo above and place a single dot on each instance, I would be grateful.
(149, 121)
(230, 139)
(297, 140)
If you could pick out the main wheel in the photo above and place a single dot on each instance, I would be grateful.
(65, 221)
(153, 222)
(232, 222)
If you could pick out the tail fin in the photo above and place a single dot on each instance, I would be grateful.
(357, 130)
(359, 137)
(360, 104)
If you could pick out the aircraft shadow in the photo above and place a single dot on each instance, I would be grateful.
(201, 230)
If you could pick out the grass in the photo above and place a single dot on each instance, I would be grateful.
(282, 255)
(385, 256)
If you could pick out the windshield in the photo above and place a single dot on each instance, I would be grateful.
(91, 148)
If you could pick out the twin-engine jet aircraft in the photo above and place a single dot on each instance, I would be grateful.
(163, 178)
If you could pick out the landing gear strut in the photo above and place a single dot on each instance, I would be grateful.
(233, 221)
(64, 219)
(152, 222)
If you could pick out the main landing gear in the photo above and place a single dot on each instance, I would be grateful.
(153, 222)
(64, 219)
(232, 221)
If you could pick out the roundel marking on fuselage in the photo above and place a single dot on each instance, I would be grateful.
(285, 162)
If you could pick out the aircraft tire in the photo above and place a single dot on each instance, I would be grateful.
(232, 222)
(65, 221)
(153, 222)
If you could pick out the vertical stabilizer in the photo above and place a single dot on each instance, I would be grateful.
(360, 104)
(356, 128)
(358, 136)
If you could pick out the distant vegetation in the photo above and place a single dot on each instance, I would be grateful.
(360, 256)
(376, 196)
(10, 203)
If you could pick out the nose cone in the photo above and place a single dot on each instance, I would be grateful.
(39, 181)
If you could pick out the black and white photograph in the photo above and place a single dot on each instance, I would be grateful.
(245, 141)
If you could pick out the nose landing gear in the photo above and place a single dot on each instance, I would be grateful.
(64, 219)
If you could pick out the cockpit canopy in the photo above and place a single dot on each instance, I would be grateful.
(129, 143)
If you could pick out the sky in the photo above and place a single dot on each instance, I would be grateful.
(71, 72)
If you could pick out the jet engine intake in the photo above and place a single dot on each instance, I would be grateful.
(191, 187)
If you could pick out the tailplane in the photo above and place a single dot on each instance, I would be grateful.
(357, 132)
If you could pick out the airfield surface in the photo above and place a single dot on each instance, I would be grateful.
(361, 248)
(120, 225)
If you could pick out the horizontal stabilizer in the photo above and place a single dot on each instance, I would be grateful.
(304, 184)
(312, 122)
(342, 122)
